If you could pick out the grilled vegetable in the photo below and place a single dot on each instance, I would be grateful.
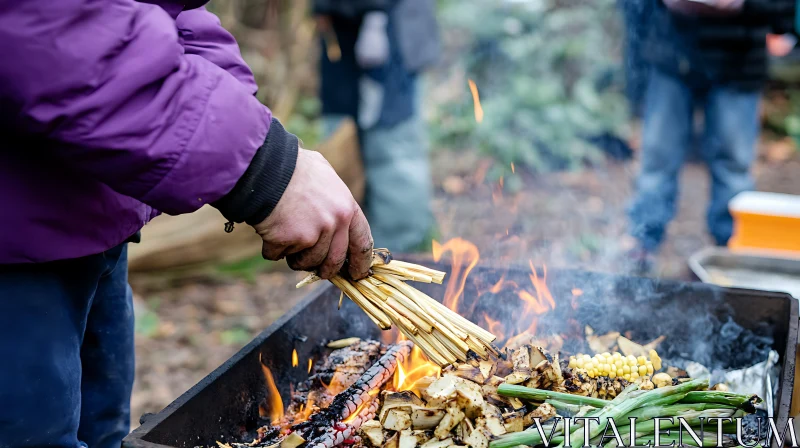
(617, 365)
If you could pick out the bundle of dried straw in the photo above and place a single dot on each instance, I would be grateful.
(443, 335)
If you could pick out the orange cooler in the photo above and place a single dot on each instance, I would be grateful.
(766, 221)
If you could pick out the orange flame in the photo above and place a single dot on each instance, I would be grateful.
(476, 100)
(465, 257)
(577, 292)
(412, 370)
(295, 361)
(310, 364)
(335, 386)
(513, 170)
(273, 396)
(536, 300)
(306, 409)
(539, 304)
(494, 326)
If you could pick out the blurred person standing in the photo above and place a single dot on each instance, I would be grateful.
(373, 54)
(635, 17)
(709, 55)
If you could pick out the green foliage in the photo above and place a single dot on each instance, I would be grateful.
(147, 324)
(235, 336)
(305, 123)
(548, 75)
(246, 269)
(792, 120)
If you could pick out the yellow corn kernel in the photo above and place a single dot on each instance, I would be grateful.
(627, 376)
(634, 376)
(571, 362)
(579, 363)
(650, 368)
(630, 360)
(606, 368)
(604, 354)
(616, 356)
(641, 360)
(612, 374)
(642, 370)
(626, 369)
(619, 363)
(656, 364)
(612, 367)
(587, 358)
(652, 353)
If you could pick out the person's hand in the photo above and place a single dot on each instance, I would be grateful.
(317, 223)
(372, 46)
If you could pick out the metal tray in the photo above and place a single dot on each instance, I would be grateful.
(765, 272)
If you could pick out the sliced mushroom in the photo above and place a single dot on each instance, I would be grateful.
(372, 432)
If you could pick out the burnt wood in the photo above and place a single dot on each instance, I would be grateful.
(224, 405)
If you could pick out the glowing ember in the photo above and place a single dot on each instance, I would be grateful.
(465, 256)
(355, 413)
(310, 364)
(414, 368)
(577, 292)
(274, 400)
(295, 361)
(476, 100)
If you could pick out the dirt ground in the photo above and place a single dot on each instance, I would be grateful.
(561, 219)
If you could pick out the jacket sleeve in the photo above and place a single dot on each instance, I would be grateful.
(109, 91)
(202, 34)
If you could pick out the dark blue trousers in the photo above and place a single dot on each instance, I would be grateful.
(729, 147)
(67, 353)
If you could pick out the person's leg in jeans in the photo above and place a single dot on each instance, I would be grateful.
(732, 128)
(107, 358)
(666, 138)
(46, 314)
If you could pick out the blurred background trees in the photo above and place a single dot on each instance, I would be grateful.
(278, 41)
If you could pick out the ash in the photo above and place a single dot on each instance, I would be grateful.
(750, 430)
(741, 345)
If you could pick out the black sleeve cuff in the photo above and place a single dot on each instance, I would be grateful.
(261, 186)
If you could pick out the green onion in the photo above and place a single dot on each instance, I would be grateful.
(627, 405)
(531, 394)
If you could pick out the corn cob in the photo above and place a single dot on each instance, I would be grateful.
(616, 365)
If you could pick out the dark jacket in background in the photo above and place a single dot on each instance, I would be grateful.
(414, 45)
(730, 51)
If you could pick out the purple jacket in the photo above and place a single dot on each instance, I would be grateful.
(113, 109)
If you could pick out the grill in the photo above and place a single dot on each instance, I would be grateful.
(224, 406)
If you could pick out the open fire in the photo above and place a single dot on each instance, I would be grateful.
(367, 393)
(721, 329)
